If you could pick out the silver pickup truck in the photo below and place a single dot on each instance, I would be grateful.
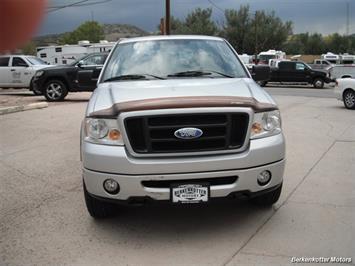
(179, 119)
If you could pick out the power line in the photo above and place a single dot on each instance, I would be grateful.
(76, 4)
(216, 6)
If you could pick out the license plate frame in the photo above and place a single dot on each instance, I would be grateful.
(180, 192)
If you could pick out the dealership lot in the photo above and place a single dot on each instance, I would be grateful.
(43, 220)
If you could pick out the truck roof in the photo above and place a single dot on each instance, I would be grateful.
(171, 37)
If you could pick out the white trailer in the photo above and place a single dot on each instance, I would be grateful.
(68, 53)
(332, 58)
(271, 55)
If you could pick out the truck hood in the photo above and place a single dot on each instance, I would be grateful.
(39, 67)
(57, 67)
(114, 97)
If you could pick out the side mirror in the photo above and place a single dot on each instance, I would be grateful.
(80, 63)
(260, 73)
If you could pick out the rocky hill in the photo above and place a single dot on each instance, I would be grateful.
(112, 32)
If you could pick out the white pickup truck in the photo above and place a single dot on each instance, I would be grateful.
(17, 71)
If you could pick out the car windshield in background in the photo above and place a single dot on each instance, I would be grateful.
(36, 61)
(174, 59)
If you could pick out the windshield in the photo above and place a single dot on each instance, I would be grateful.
(266, 58)
(165, 58)
(36, 61)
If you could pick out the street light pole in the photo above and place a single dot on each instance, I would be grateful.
(167, 17)
(256, 37)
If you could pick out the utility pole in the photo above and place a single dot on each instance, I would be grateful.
(347, 18)
(256, 37)
(167, 17)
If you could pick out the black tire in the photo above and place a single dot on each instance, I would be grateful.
(349, 99)
(55, 90)
(268, 198)
(98, 209)
(318, 83)
(37, 92)
(262, 83)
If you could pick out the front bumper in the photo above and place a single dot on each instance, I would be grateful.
(101, 162)
(37, 83)
(131, 185)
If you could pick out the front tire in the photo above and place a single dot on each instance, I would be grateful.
(349, 99)
(55, 90)
(262, 83)
(36, 92)
(318, 83)
(269, 198)
(98, 209)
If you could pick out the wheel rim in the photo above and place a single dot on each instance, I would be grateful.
(349, 99)
(54, 91)
(318, 83)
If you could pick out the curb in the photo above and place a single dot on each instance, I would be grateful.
(20, 108)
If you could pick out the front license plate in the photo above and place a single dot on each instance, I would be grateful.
(190, 193)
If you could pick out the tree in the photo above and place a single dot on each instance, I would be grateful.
(237, 27)
(250, 33)
(29, 49)
(89, 30)
(198, 22)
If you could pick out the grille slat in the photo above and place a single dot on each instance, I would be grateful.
(155, 134)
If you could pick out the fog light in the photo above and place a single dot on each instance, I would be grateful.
(264, 177)
(111, 186)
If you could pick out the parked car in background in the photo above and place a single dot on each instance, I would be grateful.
(17, 71)
(297, 72)
(345, 91)
(179, 119)
(321, 64)
(56, 82)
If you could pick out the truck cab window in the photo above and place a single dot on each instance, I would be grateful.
(300, 66)
(4, 61)
(19, 62)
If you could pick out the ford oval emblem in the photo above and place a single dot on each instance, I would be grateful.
(188, 133)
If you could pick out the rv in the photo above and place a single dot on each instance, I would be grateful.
(339, 59)
(266, 57)
(66, 54)
(331, 58)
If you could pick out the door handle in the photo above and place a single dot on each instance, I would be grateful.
(13, 70)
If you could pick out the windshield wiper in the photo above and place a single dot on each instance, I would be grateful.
(198, 73)
(132, 77)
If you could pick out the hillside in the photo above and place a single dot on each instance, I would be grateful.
(112, 32)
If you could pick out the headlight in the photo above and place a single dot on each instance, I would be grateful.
(266, 124)
(102, 131)
(39, 73)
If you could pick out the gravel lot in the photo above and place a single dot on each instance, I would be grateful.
(43, 220)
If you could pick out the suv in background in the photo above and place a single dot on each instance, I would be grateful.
(179, 118)
(17, 71)
(56, 82)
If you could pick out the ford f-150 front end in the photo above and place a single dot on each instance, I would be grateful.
(179, 118)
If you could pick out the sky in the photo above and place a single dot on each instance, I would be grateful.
(323, 16)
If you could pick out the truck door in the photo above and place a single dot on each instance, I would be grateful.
(302, 73)
(5, 74)
(286, 71)
(20, 72)
(89, 70)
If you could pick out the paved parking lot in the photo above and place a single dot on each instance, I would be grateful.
(43, 220)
